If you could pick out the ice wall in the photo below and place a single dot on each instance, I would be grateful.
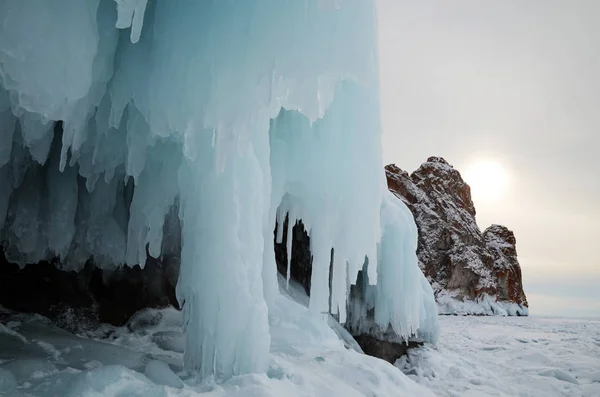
(112, 111)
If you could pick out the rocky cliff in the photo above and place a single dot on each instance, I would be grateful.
(471, 272)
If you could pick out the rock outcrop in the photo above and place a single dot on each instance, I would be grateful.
(471, 272)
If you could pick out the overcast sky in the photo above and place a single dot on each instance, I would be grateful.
(518, 83)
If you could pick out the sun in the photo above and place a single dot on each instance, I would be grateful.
(488, 179)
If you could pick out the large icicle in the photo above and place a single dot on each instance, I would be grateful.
(220, 281)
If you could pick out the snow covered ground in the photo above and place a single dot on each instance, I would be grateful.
(145, 358)
(510, 356)
(476, 356)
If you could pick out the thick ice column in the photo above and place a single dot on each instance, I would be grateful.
(220, 284)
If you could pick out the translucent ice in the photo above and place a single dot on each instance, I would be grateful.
(160, 373)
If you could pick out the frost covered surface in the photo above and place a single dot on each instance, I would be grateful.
(507, 357)
(237, 112)
(484, 305)
(145, 359)
(476, 356)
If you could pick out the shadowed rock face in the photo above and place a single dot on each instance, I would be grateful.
(456, 257)
(74, 300)
(384, 350)
(301, 260)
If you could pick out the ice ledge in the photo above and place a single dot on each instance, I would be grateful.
(486, 305)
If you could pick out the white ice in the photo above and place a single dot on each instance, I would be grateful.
(476, 356)
(510, 356)
(145, 359)
(484, 305)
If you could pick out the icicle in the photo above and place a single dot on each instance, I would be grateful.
(290, 229)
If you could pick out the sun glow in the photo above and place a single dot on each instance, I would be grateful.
(488, 179)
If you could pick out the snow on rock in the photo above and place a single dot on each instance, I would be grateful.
(471, 272)
(234, 114)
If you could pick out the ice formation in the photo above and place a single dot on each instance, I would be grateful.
(238, 112)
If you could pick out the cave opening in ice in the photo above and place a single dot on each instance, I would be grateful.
(238, 114)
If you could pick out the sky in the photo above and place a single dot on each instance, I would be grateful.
(507, 91)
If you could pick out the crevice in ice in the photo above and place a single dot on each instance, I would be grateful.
(298, 265)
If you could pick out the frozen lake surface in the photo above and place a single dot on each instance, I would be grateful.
(510, 356)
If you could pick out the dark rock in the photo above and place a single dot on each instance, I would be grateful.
(388, 351)
(301, 263)
(90, 296)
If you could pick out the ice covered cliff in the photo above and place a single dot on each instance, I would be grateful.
(220, 117)
(471, 272)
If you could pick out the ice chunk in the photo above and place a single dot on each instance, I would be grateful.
(113, 380)
(559, 374)
(24, 369)
(8, 381)
(160, 373)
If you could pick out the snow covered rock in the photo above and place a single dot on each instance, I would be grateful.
(471, 272)
(501, 243)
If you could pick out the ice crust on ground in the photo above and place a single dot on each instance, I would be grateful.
(476, 356)
(307, 358)
(510, 356)
(486, 305)
(239, 112)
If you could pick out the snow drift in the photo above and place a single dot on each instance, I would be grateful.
(233, 112)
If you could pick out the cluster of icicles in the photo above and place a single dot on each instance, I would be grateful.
(238, 111)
